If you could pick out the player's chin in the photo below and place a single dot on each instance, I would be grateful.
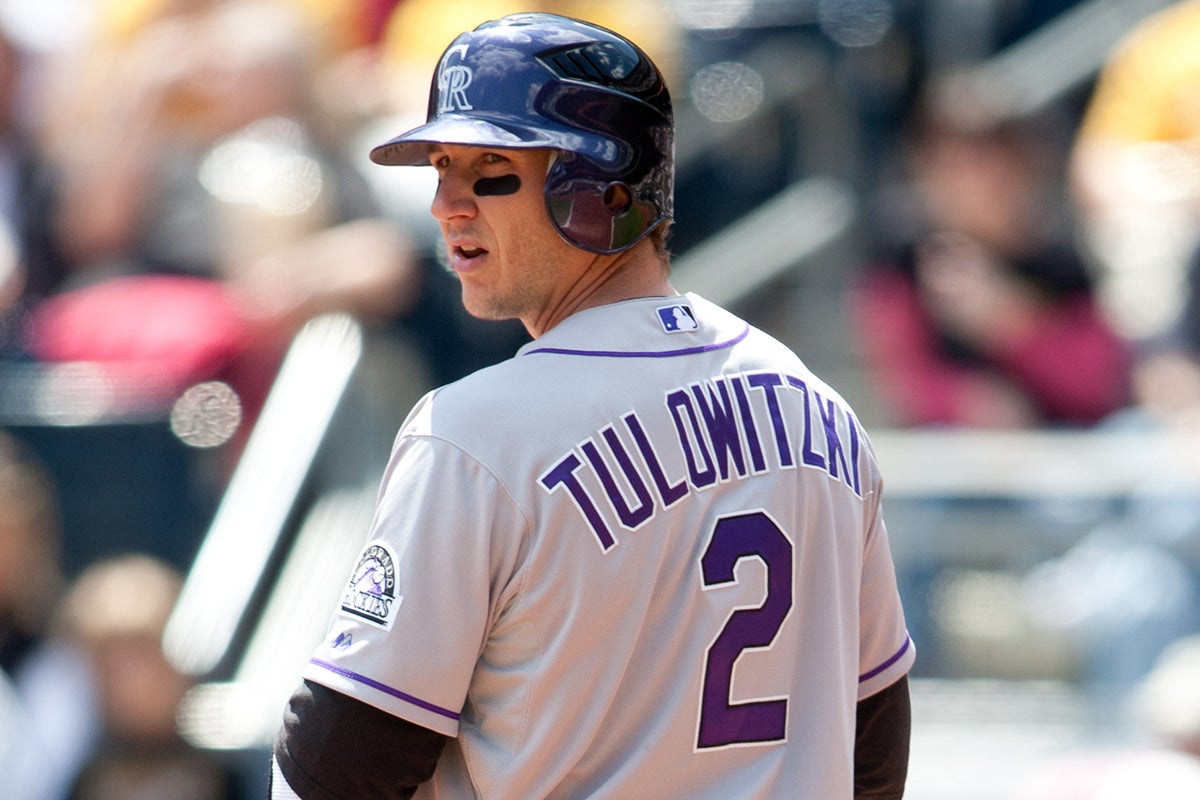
(481, 303)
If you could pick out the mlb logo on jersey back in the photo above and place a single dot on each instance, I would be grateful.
(371, 592)
(677, 318)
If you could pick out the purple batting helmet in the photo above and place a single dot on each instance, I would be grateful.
(539, 80)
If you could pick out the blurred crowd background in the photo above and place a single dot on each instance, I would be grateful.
(978, 219)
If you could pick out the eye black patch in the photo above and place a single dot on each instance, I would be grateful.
(505, 184)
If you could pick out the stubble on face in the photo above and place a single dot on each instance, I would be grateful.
(531, 257)
(519, 298)
(511, 260)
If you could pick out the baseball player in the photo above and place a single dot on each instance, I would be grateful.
(644, 558)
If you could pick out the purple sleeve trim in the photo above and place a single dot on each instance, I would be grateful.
(899, 654)
(687, 351)
(354, 676)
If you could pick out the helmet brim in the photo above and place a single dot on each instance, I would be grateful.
(411, 148)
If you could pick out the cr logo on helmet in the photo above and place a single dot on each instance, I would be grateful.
(453, 80)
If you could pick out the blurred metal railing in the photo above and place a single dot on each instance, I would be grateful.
(262, 494)
(980, 498)
(284, 537)
(1062, 55)
(791, 228)
(1062, 463)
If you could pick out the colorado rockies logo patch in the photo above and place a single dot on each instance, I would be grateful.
(371, 591)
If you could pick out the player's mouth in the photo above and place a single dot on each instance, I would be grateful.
(467, 256)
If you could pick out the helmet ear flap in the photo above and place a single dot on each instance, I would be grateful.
(592, 211)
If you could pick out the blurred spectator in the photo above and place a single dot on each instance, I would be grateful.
(117, 610)
(14, 725)
(48, 679)
(979, 311)
(30, 571)
(1135, 176)
(200, 214)
(1135, 169)
(982, 312)
(1166, 766)
(1168, 700)
(198, 187)
(1118, 597)
(28, 268)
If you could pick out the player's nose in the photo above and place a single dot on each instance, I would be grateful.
(453, 198)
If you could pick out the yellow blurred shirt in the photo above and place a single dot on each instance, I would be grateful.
(1149, 90)
(419, 30)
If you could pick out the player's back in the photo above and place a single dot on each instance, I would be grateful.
(679, 615)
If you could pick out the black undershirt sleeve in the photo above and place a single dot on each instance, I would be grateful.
(881, 743)
(334, 747)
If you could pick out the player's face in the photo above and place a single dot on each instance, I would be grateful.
(501, 243)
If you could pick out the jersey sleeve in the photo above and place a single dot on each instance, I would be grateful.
(435, 569)
(886, 653)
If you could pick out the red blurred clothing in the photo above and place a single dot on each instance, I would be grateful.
(1067, 368)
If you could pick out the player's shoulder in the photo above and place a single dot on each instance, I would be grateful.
(471, 395)
(489, 408)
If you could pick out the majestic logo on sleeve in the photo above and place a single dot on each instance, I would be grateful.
(453, 80)
(677, 318)
(371, 592)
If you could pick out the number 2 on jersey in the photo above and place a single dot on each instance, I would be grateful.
(724, 723)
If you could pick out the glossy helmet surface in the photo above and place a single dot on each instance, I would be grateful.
(538, 80)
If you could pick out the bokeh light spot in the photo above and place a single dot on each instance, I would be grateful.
(727, 92)
(856, 23)
(207, 414)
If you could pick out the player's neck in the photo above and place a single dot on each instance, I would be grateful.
(637, 272)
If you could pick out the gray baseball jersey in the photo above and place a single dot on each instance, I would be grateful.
(643, 558)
